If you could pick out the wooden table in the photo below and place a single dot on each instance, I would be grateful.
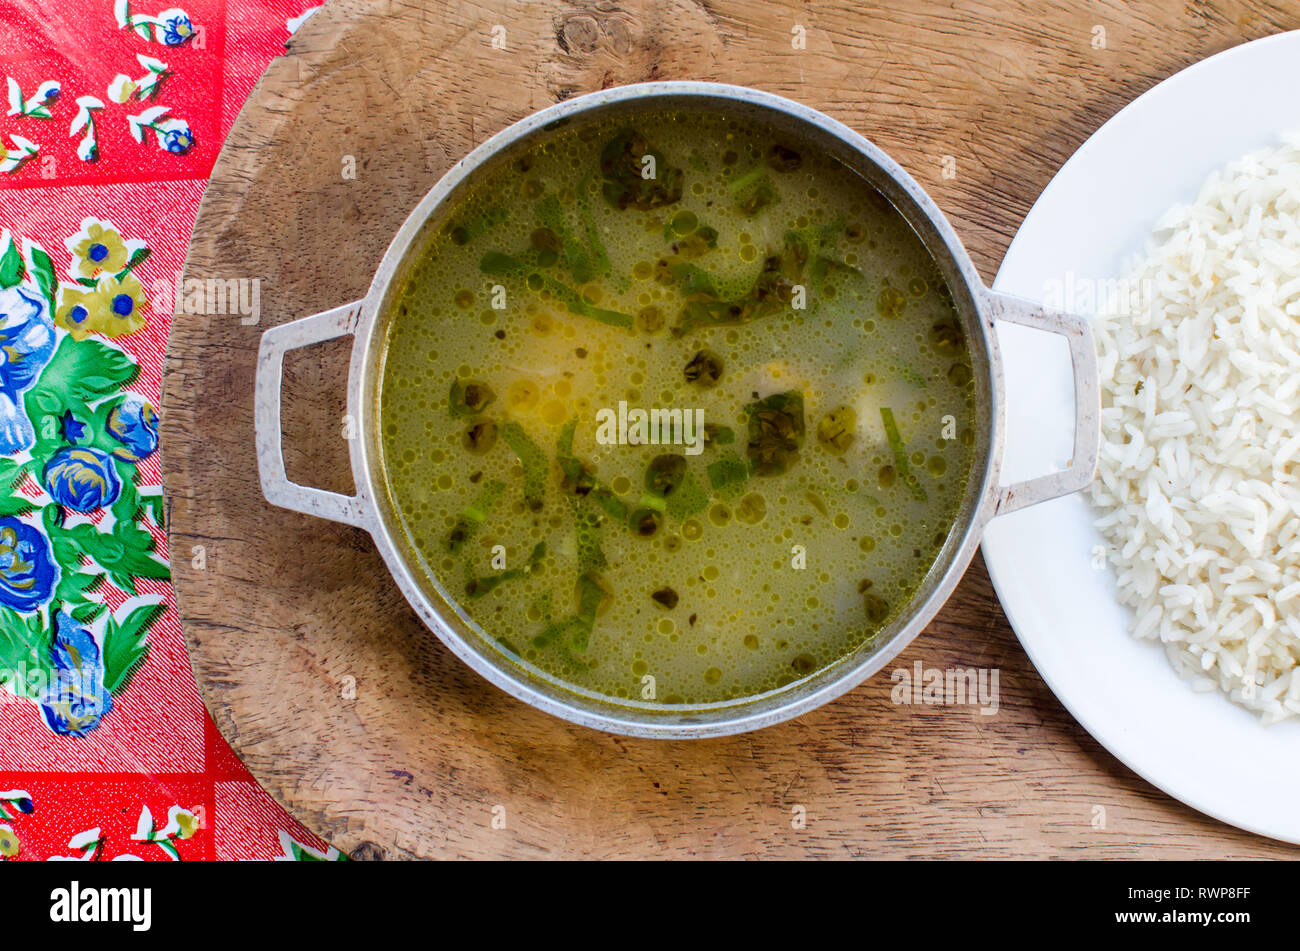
(349, 711)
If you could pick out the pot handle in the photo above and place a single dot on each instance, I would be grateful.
(339, 322)
(1087, 401)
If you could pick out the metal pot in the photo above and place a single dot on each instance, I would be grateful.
(979, 309)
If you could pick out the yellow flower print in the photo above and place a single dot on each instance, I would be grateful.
(9, 844)
(124, 303)
(100, 250)
(114, 307)
(76, 305)
(187, 823)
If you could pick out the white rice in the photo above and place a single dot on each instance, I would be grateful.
(1199, 473)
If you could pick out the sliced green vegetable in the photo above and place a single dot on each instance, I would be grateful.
(469, 398)
(480, 436)
(703, 369)
(474, 514)
(671, 489)
(581, 481)
(532, 458)
(665, 474)
(576, 257)
(499, 264)
(478, 587)
(577, 627)
(598, 253)
(576, 303)
(899, 449)
(587, 532)
(590, 595)
(645, 520)
(776, 431)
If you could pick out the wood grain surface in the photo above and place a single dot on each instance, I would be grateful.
(349, 711)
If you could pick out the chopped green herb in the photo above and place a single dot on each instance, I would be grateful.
(720, 435)
(769, 294)
(471, 228)
(591, 593)
(636, 175)
(752, 191)
(576, 256)
(689, 238)
(911, 376)
(728, 474)
(688, 499)
(782, 158)
(811, 251)
(587, 532)
(702, 240)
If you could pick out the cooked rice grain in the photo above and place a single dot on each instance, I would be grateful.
(1198, 479)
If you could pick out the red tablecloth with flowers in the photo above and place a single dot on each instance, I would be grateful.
(115, 111)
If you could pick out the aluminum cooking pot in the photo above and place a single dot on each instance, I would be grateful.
(986, 497)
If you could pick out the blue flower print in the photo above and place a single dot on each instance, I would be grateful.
(27, 343)
(82, 479)
(77, 700)
(175, 27)
(178, 140)
(28, 572)
(134, 423)
(72, 429)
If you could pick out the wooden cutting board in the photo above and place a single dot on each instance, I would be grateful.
(349, 711)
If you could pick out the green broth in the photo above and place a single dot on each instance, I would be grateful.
(750, 279)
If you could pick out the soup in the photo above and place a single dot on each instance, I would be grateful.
(675, 411)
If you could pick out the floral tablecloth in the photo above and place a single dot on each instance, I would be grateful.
(115, 113)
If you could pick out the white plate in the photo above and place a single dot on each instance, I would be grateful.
(1095, 214)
